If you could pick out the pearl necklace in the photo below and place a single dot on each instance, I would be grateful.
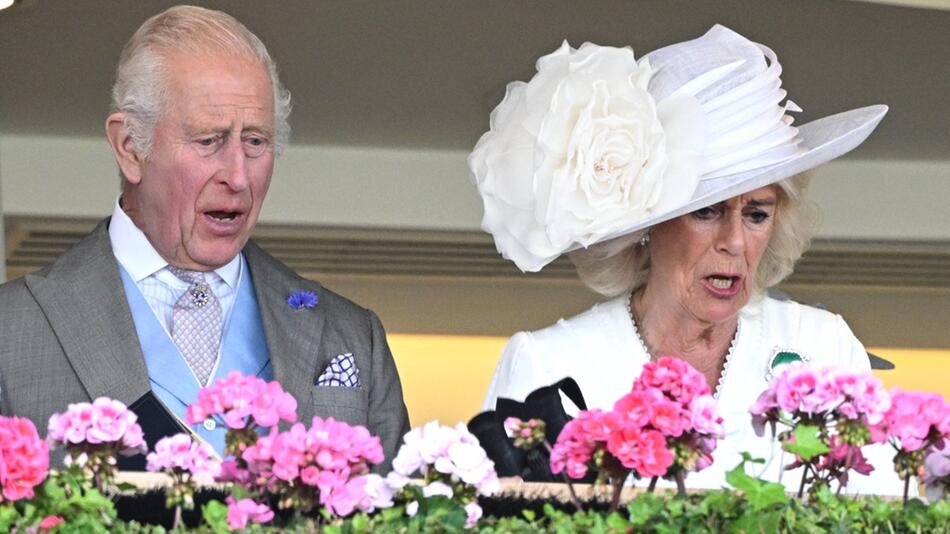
(643, 345)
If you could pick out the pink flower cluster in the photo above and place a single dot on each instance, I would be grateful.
(24, 458)
(667, 422)
(914, 421)
(237, 398)
(450, 451)
(837, 393)
(242, 511)
(105, 422)
(181, 454)
(330, 457)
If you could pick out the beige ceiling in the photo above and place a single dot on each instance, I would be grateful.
(426, 73)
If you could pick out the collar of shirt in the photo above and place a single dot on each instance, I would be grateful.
(140, 259)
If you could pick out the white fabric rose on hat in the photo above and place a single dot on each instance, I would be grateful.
(581, 153)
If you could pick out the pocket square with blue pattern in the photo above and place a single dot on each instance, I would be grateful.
(342, 371)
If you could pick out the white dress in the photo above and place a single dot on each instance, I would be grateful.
(601, 351)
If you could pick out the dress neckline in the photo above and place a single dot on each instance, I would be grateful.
(651, 358)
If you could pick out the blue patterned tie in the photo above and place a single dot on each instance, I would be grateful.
(197, 324)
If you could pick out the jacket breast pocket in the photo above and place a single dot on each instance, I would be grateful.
(341, 403)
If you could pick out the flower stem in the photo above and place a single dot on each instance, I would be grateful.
(801, 487)
(177, 522)
(570, 486)
(617, 484)
(906, 487)
(652, 487)
(680, 482)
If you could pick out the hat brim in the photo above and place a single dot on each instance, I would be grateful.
(824, 140)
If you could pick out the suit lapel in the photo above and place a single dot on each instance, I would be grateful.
(83, 299)
(293, 336)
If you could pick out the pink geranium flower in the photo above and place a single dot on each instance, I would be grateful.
(24, 458)
(323, 464)
(668, 407)
(181, 454)
(246, 510)
(242, 401)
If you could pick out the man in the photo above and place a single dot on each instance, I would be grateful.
(168, 294)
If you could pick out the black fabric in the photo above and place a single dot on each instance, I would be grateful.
(544, 404)
(156, 422)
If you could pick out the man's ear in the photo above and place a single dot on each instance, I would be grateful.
(129, 161)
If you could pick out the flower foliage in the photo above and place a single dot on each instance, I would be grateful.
(667, 425)
(828, 412)
(24, 458)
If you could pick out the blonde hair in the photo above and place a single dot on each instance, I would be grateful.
(621, 265)
(141, 90)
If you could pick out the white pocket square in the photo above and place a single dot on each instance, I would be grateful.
(342, 371)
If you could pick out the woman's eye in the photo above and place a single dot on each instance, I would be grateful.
(705, 214)
(758, 216)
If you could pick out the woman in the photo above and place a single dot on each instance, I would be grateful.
(675, 184)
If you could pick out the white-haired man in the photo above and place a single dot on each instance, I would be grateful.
(168, 294)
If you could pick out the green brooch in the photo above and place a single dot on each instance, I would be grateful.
(782, 357)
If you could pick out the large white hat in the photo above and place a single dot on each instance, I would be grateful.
(598, 145)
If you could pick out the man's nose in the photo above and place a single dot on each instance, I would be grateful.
(234, 172)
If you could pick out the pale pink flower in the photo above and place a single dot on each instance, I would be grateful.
(181, 454)
(437, 488)
(379, 494)
(473, 513)
(105, 422)
(452, 451)
(412, 508)
(936, 477)
(24, 458)
(244, 510)
(704, 416)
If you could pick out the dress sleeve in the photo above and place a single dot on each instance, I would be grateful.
(850, 348)
(518, 373)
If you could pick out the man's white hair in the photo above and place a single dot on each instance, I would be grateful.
(141, 85)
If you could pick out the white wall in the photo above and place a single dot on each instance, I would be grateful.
(375, 187)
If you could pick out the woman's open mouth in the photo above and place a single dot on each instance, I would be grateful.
(723, 285)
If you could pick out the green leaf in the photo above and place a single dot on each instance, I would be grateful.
(759, 493)
(215, 515)
(807, 443)
(529, 514)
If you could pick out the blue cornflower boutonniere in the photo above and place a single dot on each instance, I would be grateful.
(302, 299)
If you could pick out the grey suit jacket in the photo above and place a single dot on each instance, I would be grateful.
(66, 335)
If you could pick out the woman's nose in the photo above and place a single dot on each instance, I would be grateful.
(732, 235)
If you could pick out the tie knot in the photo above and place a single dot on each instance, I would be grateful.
(192, 277)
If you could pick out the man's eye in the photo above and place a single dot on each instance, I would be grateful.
(255, 146)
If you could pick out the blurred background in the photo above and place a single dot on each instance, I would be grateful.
(373, 197)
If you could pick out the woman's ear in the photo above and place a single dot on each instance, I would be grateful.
(123, 148)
